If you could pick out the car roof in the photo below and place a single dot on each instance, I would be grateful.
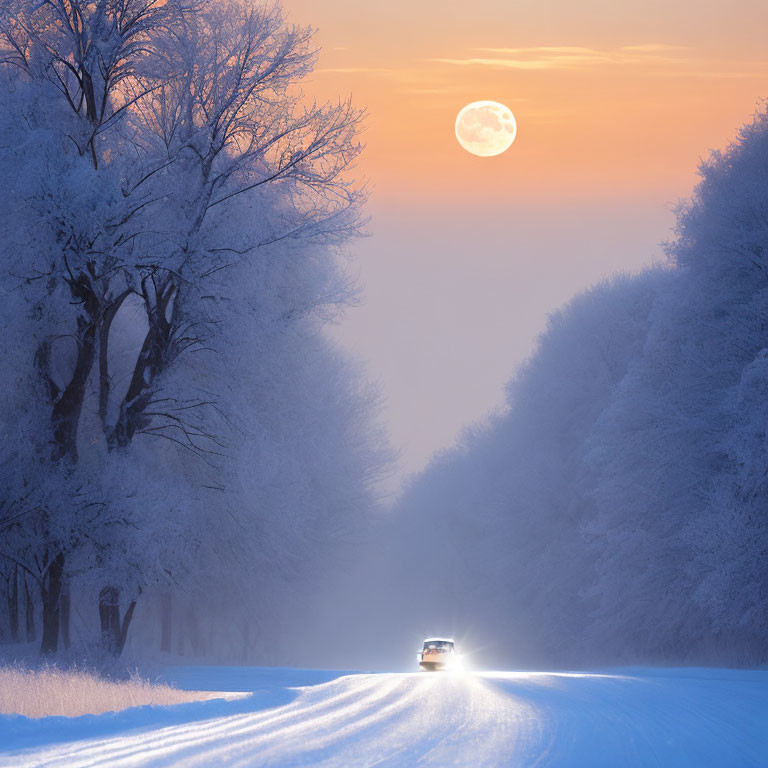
(439, 640)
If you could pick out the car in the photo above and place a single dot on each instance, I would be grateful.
(437, 653)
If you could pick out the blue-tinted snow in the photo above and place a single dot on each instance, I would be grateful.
(630, 717)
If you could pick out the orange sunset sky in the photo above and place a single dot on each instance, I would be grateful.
(609, 96)
(616, 104)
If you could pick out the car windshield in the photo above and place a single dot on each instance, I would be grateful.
(438, 646)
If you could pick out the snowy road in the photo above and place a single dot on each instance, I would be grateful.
(638, 718)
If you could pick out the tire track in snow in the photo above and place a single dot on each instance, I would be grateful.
(110, 751)
(362, 720)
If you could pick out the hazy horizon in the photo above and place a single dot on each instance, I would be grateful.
(442, 326)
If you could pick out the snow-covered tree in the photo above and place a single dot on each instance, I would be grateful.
(168, 188)
(680, 447)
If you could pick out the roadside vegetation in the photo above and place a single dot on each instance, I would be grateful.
(73, 692)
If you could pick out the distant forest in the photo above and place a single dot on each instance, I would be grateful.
(617, 510)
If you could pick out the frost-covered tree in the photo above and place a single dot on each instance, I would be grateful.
(159, 158)
(681, 446)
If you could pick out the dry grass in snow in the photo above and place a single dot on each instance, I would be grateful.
(70, 693)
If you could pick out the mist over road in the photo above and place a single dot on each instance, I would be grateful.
(690, 717)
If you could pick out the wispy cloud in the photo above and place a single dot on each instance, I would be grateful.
(659, 59)
(655, 48)
(571, 57)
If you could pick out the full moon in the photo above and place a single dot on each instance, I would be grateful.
(486, 128)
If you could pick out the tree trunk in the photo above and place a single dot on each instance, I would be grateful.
(13, 605)
(65, 614)
(50, 592)
(29, 615)
(109, 616)
(65, 415)
(114, 633)
(166, 618)
(151, 360)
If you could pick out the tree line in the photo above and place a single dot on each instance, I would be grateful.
(617, 509)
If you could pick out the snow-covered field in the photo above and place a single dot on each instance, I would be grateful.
(638, 717)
